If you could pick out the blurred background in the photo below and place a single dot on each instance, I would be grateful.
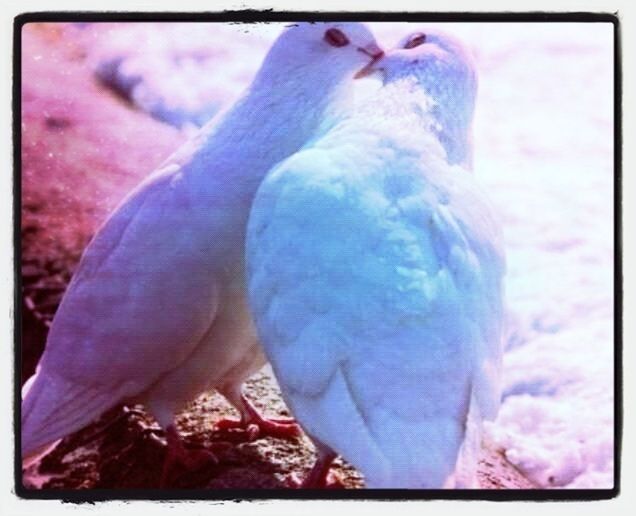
(104, 103)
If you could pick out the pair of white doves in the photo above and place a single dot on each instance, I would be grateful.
(349, 240)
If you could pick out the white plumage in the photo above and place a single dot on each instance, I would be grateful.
(375, 269)
(156, 312)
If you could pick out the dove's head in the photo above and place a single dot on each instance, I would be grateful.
(320, 54)
(443, 69)
(439, 63)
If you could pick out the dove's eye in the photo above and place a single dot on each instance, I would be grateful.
(336, 38)
(416, 40)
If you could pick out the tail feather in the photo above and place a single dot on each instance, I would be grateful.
(466, 468)
(73, 409)
(53, 407)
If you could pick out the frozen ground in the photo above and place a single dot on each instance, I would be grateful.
(543, 147)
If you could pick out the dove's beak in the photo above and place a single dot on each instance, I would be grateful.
(375, 53)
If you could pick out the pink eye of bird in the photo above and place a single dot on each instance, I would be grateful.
(415, 41)
(336, 38)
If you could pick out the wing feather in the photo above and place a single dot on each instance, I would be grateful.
(141, 300)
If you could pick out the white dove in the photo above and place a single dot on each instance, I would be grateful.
(157, 311)
(375, 274)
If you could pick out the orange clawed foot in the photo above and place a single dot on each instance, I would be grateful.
(255, 425)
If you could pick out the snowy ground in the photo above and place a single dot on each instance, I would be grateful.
(543, 147)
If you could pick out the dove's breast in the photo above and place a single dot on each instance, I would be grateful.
(366, 289)
(226, 356)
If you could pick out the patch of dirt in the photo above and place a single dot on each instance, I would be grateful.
(83, 149)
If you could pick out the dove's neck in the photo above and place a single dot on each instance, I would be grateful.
(452, 109)
(261, 129)
(445, 108)
(453, 126)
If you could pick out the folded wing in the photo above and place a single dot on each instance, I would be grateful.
(138, 305)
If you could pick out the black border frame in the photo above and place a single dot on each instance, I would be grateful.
(264, 16)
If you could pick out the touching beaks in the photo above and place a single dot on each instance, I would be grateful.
(375, 53)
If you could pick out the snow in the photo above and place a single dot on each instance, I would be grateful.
(543, 148)
(181, 73)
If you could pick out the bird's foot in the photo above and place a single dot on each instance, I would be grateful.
(283, 428)
(254, 425)
(252, 430)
